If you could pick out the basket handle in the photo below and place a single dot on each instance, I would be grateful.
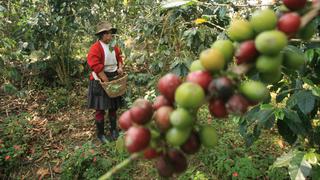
(101, 82)
(118, 76)
(114, 78)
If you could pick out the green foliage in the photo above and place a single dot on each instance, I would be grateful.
(180, 66)
(277, 173)
(232, 159)
(9, 60)
(14, 128)
(8, 88)
(304, 99)
(140, 79)
(53, 28)
(195, 174)
(58, 99)
(91, 162)
(299, 163)
(297, 103)
(253, 121)
(56, 28)
(14, 142)
(295, 115)
(62, 30)
(170, 37)
(85, 162)
(140, 85)
(315, 173)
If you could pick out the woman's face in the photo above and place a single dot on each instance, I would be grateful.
(107, 37)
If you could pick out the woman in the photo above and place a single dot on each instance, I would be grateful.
(105, 62)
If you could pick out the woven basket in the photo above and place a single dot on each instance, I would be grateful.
(116, 87)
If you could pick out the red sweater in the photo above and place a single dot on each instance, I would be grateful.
(95, 58)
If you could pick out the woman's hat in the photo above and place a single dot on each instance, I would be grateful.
(105, 26)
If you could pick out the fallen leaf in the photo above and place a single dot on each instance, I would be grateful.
(200, 21)
(45, 155)
(281, 144)
(57, 169)
(42, 172)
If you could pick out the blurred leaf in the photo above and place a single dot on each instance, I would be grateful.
(125, 2)
(120, 147)
(292, 101)
(305, 101)
(299, 168)
(294, 122)
(279, 114)
(258, 118)
(256, 131)
(307, 81)
(315, 173)
(266, 117)
(287, 134)
(250, 116)
(316, 91)
(285, 159)
(250, 138)
(266, 106)
(298, 83)
(317, 51)
(282, 94)
(181, 69)
(310, 54)
(312, 157)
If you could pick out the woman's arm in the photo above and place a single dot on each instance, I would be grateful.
(95, 64)
(103, 76)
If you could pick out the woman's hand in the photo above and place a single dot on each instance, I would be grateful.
(120, 70)
(103, 77)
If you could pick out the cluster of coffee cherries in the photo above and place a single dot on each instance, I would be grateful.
(165, 129)
(168, 129)
(262, 41)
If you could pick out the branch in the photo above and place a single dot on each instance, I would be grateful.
(236, 5)
(214, 25)
(310, 41)
(118, 167)
(310, 15)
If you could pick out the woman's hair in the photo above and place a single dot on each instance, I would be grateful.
(100, 35)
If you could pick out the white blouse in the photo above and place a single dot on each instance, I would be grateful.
(110, 60)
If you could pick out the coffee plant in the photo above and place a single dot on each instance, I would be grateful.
(234, 78)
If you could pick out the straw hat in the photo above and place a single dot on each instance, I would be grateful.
(105, 26)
